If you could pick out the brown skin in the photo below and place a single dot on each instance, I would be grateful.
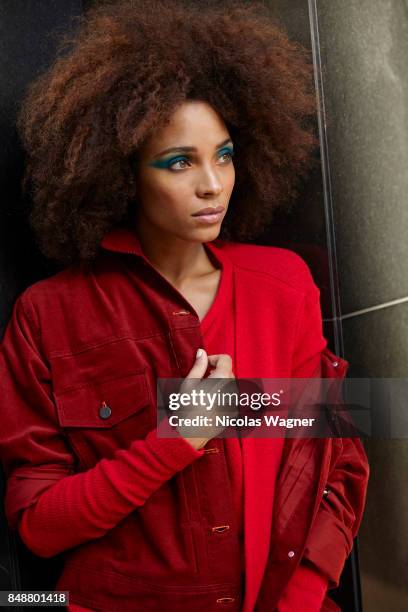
(171, 238)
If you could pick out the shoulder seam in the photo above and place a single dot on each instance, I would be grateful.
(309, 280)
(272, 276)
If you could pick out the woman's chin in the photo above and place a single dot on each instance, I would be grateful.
(208, 234)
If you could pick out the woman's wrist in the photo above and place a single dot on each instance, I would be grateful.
(197, 443)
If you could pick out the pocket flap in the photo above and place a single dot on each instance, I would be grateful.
(103, 404)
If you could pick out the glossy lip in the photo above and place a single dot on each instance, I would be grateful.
(209, 211)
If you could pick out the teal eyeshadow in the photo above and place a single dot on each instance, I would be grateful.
(165, 163)
(229, 150)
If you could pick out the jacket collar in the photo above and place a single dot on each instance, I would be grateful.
(124, 240)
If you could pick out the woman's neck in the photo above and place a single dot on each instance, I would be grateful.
(175, 258)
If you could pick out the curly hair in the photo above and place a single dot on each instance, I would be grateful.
(122, 73)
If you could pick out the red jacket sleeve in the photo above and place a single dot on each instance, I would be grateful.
(340, 512)
(53, 507)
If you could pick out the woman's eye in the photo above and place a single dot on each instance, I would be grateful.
(226, 155)
(178, 164)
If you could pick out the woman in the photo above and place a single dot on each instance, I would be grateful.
(157, 144)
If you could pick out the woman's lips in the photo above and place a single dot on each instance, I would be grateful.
(210, 215)
(209, 218)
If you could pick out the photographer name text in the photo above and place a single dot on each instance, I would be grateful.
(245, 421)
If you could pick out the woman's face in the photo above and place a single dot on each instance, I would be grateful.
(182, 169)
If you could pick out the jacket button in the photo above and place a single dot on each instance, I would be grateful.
(105, 411)
(335, 364)
(291, 553)
(220, 528)
(326, 492)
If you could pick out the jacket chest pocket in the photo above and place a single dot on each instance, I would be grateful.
(100, 417)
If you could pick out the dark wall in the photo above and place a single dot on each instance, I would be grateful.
(28, 34)
(364, 46)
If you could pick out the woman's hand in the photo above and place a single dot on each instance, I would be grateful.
(222, 368)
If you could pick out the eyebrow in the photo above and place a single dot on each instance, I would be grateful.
(190, 149)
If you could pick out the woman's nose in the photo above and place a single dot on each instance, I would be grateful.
(209, 183)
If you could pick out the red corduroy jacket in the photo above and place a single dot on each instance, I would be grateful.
(111, 331)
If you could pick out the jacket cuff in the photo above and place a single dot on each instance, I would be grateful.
(330, 548)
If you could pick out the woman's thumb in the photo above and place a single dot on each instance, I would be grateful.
(200, 365)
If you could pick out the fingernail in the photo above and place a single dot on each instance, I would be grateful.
(199, 353)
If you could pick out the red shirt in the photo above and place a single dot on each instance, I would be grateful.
(307, 587)
(82, 337)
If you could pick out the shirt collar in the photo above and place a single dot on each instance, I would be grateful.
(125, 240)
